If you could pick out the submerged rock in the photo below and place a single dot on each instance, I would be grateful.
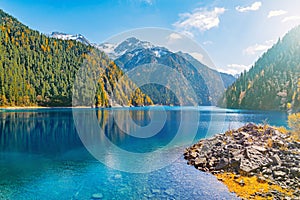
(170, 191)
(97, 196)
(118, 176)
(155, 191)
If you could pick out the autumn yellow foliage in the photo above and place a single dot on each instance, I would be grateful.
(282, 129)
(294, 124)
(251, 186)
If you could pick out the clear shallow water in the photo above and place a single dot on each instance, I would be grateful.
(42, 156)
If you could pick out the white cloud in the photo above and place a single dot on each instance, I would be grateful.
(149, 2)
(187, 33)
(255, 6)
(291, 18)
(275, 13)
(173, 37)
(197, 56)
(234, 68)
(207, 42)
(199, 20)
(258, 48)
(252, 50)
(238, 66)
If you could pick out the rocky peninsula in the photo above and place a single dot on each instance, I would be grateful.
(254, 161)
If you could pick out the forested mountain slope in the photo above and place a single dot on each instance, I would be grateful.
(38, 70)
(273, 83)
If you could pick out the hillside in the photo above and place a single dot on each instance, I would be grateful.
(273, 83)
(38, 70)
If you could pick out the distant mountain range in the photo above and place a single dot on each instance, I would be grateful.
(135, 45)
(207, 83)
(273, 83)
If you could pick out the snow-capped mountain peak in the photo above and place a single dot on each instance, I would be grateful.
(130, 44)
(65, 36)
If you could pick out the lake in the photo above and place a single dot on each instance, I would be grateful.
(51, 153)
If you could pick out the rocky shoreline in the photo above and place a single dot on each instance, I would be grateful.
(262, 152)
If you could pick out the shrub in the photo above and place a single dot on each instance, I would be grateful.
(294, 124)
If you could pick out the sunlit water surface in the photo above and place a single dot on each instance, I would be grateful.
(42, 156)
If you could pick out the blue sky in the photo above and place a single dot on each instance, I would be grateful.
(234, 33)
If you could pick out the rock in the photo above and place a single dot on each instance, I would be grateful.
(237, 153)
(261, 179)
(250, 153)
(118, 176)
(200, 160)
(278, 143)
(193, 154)
(266, 176)
(186, 152)
(236, 176)
(223, 163)
(251, 174)
(149, 196)
(259, 148)
(235, 163)
(97, 196)
(243, 135)
(278, 174)
(212, 161)
(206, 146)
(170, 192)
(295, 171)
(155, 191)
(274, 191)
(218, 144)
(236, 146)
(241, 182)
(247, 166)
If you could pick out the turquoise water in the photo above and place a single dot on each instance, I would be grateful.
(42, 155)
